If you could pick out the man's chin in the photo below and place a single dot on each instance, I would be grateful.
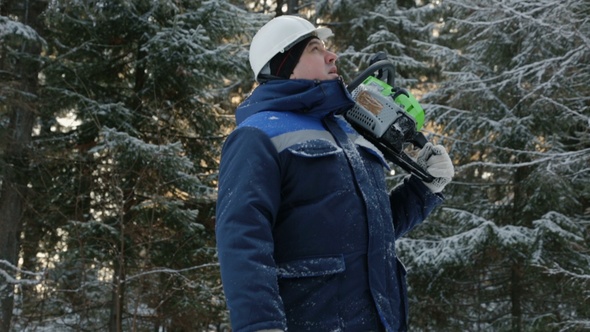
(333, 76)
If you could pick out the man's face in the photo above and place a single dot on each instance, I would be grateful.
(316, 63)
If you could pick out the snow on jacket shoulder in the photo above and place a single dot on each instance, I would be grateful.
(296, 248)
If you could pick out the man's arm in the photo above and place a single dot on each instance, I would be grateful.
(247, 205)
(413, 201)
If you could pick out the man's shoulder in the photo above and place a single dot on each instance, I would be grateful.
(276, 123)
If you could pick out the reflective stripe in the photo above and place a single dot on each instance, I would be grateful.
(286, 140)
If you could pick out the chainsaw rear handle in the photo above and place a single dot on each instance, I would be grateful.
(399, 158)
(379, 65)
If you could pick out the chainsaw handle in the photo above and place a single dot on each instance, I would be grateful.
(404, 161)
(408, 164)
(379, 65)
(418, 140)
(399, 158)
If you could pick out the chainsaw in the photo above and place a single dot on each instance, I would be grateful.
(387, 116)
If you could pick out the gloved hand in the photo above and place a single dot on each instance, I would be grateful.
(436, 161)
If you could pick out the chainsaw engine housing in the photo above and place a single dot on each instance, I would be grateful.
(386, 116)
(379, 114)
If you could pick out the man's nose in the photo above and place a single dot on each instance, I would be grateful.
(331, 57)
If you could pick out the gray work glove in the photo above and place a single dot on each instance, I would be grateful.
(436, 161)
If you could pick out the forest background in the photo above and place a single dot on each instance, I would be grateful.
(112, 114)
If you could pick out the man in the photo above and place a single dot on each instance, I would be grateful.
(305, 226)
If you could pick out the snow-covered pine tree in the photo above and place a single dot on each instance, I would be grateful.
(363, 28)
(510, 249)
(512, 240)
(125, 181)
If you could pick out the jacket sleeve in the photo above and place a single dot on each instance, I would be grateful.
(247, 205)
(411, 203)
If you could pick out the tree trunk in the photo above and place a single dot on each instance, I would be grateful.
(17, 139)
(516, 297)
(13, 194)
(120, 270)
(293, 7)
(118, 296)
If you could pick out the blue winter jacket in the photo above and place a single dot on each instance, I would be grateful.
(306, 243)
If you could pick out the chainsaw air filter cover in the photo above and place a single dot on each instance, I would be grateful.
(373, 111)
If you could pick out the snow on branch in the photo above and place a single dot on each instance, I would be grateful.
(172, 271)
(457, 248)
(9, 27)
(559, 225)
(10, 279)
(585, 153)
(478, 233)
(559, 270)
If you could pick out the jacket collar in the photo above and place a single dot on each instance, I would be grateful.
(317, 98)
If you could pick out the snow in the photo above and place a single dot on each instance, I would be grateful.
(482, 233)
(509, 130)
(9, 27)
(8, 270)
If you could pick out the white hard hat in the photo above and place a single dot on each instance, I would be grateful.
(277, 36)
